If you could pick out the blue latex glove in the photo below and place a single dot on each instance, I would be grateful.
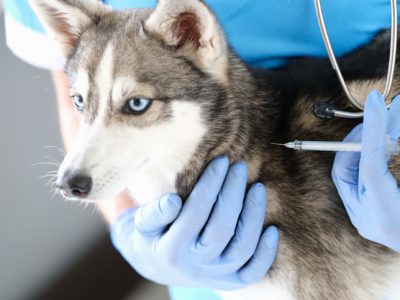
(215, 240)
(368, 189)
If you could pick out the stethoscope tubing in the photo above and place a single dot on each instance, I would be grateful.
(335, 66)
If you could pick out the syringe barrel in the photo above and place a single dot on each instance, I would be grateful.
(327, 146)
(392, 146)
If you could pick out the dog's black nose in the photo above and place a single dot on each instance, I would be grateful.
(75, 185)
(80, 186)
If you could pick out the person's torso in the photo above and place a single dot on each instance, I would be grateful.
(267, 33)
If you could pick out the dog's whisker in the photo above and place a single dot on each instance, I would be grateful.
(51, 182)
(46, 163)
(52, 175)
(60, 151)
(52, 159)
(94, 210)
(82, 205)
(54, 192)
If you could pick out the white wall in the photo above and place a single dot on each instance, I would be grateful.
(39, 236)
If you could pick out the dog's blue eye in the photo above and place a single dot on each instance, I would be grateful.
(78, 101)
(137, 106)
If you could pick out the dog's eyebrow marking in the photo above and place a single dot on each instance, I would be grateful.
(104, 78)
(120, 88)
(81, 84)
(127, 86)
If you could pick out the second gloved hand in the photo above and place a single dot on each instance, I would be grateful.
(215, 240)
(368, 189)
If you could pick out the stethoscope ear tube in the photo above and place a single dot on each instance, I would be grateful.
(326, 111)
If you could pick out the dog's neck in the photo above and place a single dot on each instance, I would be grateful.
(243, 130)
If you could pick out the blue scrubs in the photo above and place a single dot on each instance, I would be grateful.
(263, 33)
(267, 33)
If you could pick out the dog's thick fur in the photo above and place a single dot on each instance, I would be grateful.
(208, 102)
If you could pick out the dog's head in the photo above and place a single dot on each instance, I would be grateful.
(143, 83)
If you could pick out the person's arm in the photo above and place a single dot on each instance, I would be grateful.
(368, 189)
(69, 125)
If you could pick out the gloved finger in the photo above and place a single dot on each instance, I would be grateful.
(346, 164)
(224, 217)
(347, 189)
(384, 184)
(263, 257)
(244, 243)
(154, 217)
(345, 172)
(352, 212)
(255, 269)
(374, 174)
(121, 230)
(242, 246)
(197, 209)
(373, 162)
(394, 118)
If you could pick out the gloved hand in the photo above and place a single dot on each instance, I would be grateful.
(368, 189)
(214, 240)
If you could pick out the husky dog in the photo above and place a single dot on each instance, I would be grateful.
(160, 93)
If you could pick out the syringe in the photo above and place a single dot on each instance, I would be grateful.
(392, 146)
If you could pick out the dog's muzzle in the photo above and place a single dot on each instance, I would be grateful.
(75, 185)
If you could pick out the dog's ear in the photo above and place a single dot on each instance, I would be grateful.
(64, 20)
(188, 26)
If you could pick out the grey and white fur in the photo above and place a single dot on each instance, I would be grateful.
(205, 102)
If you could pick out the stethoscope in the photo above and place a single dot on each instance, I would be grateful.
(328, 111)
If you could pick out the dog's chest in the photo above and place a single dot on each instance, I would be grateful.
(267, 289)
